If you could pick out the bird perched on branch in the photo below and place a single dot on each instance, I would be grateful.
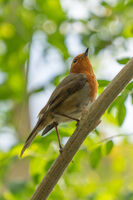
(70, 97)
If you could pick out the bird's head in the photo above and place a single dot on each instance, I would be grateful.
(81, 63)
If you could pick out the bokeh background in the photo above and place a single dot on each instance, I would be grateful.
(38, 40)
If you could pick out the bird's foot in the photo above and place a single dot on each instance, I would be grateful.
(77, 124)
(61, 150)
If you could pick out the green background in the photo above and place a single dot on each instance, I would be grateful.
(102, 168)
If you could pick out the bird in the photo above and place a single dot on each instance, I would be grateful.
(73, 94)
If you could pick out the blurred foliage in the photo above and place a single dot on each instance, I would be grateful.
(100, 170)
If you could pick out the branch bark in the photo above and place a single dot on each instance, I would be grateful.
(89, 121)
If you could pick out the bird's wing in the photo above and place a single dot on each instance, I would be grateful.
(69, 85)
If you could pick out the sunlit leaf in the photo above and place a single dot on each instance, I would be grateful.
(130, 86)
(37, 165)
(103, 83)
(40, 89)
(108, 147)
(121, 114)
(123, 60)
(95, 157)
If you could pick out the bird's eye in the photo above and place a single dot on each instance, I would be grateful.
(75, 60)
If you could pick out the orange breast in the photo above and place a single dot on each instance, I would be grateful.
(84, 66)
(93, 85)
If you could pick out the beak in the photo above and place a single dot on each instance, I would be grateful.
(86, 52)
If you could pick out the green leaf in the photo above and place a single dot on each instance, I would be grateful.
(103, 83)
(104, 3)
(95, 157)
(130, 86)
(114, 104)
(97, 132)
(132, 98)
(121, 114)
(123, 60)
(108, 147)
(37, 165)
(37, 90)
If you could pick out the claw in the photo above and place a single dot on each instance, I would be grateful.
(61, 150)
(77, 124)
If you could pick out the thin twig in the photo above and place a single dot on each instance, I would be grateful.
(114, 136)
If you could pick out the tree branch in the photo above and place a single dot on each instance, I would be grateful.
(90, 119)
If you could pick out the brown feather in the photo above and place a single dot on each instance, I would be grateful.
(47, 129)
(32, 135)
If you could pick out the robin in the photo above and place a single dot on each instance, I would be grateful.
(70, 97)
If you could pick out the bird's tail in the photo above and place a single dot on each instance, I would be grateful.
(32, 135)
(48, 128)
